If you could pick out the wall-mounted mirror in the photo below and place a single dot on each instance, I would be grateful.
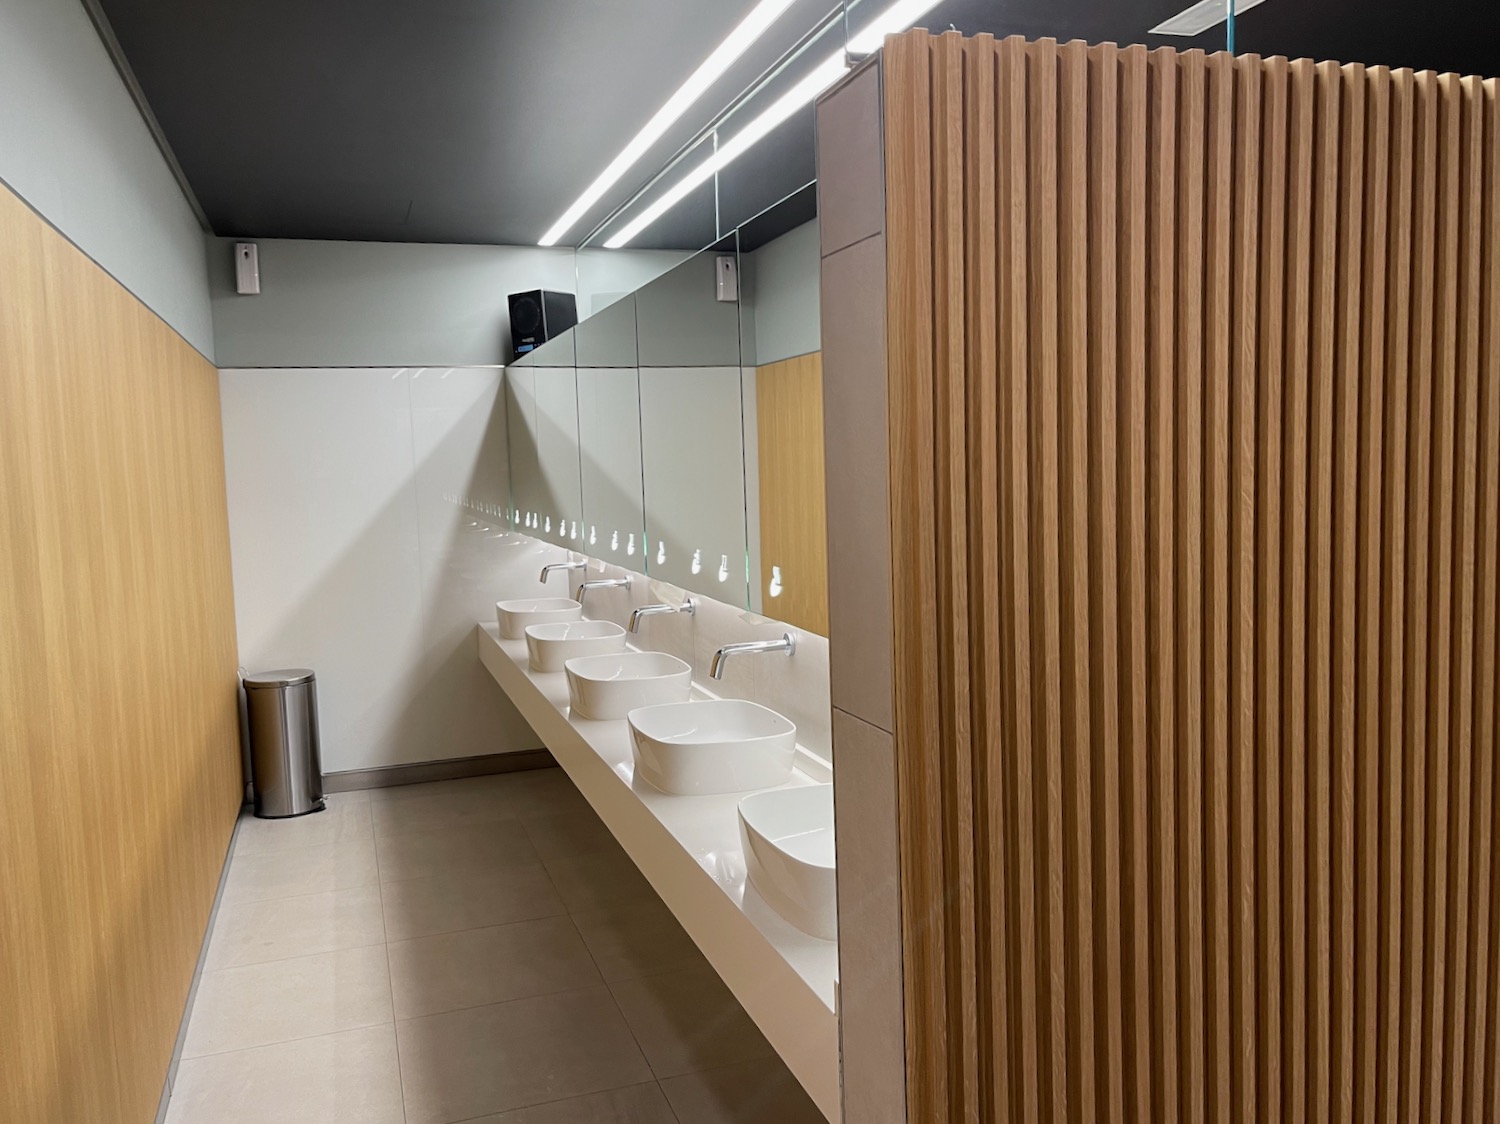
(692, 427)
(780, 261)
(678, 430)
(609, 435)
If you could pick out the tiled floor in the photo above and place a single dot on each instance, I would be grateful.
(477, 950)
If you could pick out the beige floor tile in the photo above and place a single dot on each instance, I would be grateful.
(346, 1078)
(543, 791)
(343, 821)
(638, 939)
(639, 1104)
(558, 834)
(493, 782)
(307, 870)
(256, 932)
(259, 1004)
(477, 967)
(600, 880)
(417, 907)
(759, 1092)
(475, 848)
(485, 1060)
(688, 1021)
(440, 808)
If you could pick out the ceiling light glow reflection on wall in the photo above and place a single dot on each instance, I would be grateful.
(1198, 18)
(738, 41)
(898, 17)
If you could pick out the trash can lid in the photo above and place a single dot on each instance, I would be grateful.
(285, 677)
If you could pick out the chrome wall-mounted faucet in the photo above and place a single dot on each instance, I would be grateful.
(602, 583)
(689, 607)
(787, 644)
(547, 570)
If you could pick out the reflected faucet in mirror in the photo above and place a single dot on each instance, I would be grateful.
(787, 644)
(602, 583)
(569, 566)
(689, 607)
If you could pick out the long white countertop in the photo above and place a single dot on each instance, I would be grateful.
(689, 848)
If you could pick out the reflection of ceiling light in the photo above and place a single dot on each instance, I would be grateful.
(896, 18)
(751, 28)
(1200, 17)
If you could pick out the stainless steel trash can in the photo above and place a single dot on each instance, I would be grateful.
(285, 768)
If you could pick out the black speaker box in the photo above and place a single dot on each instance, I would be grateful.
(537, 317)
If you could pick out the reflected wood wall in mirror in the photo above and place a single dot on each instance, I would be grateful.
(793, 517)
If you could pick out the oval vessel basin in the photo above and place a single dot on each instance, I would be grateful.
(607, 687)
(788, 838)
(551, 645)
(514, 616)
(712, 745)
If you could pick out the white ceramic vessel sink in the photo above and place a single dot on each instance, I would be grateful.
(551, 645)
(515, 616)
(712, 745)
(788, 837)
(606, 687)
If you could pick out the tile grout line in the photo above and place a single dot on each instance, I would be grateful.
(612, 997)
(385, 948)
(288, 1041)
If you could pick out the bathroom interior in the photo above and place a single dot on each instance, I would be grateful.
(957, 581)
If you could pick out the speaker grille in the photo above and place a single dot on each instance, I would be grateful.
(525, 316)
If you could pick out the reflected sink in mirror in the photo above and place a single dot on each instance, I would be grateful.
(712, 745)
(549, 646)
(788, 838)
(515, 616)
(610, 687)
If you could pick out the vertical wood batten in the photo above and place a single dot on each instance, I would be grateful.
(949, 402)
(1161, 599)
(1046, 562)
(994, 910)
(1218, 505)
(1077, 775)
(1321, 375)
(1104, 650)
(1014, 396)
(909, 225)
(1367, 630)
(1486, 685)
(1343, 947)
(1393, 593)
(1466, 469)
(1137, 937)
(1242, 375)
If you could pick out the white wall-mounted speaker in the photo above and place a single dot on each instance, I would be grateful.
(246, 268)
(726, 278)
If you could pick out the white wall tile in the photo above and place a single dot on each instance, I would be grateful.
(364, 547)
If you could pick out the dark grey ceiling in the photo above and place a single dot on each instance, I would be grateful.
(481, 120)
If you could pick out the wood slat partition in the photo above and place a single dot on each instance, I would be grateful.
(1194, 384)
(119, 756)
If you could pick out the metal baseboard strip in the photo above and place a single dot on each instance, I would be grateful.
(422, 772)
(187, 1008)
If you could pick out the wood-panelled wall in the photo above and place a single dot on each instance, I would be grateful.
(1194, 371)
(793, 512)
(119, 758)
